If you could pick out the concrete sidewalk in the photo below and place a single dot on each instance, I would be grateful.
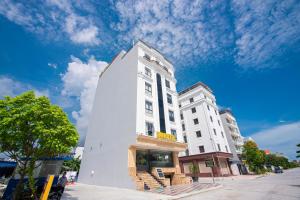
(91, 192)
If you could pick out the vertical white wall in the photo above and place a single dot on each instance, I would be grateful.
(112, 125)
(202, 99)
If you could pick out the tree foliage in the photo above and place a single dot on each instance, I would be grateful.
(31, 128)
(71, 165)
(254, 157)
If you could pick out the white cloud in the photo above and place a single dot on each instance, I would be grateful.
(255, 33)
(264, 30)
(184, 30)
(10, 87)
(52, 65)
(54, 19)
(283, 139)
(80, 80)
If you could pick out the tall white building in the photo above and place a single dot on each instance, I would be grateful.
(235, 139)
(203, 131)
(134, 131)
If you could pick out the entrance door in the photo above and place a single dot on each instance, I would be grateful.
(142, 161)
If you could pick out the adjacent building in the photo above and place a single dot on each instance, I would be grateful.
(235, 140)
(203, 132)
(134, 135)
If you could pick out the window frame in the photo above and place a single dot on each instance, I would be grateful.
(198, 134)
(147, 86)
(196, 120)
(171, 117)
(194, 110)
(147, 130)
(148, 72)
(167, 83)
(201, 149)
(147, 108)
(169, 97)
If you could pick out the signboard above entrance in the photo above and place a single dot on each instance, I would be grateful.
(165, 136)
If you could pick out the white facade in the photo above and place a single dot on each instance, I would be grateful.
(126, 102)
(234, 138)
(232, 131)
(199, 112)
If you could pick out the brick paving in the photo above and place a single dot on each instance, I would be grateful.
(183, 189)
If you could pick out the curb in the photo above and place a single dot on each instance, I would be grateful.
(194, 193)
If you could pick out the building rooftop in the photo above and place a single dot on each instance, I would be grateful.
(195, 86)
(227, 110)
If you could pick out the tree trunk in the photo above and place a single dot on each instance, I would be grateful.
(20, 186)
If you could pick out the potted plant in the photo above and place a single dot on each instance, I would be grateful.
(194, 171)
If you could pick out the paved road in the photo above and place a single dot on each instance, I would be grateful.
(284, 186)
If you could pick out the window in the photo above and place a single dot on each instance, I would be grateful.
(191, 100)
(219, 147)
(226, 148)
(198, 133)
(169, 99)
(196, 121)
(171, 116)
(181, 116)
(148, 72)
(205, 96)
(211, 119)
(167, 84)
(201, 149)
(208, 107)
(183, 127)
(148, 107)
(219, 123)
(187, 153)
(149, 129)
(227, 120)
(216, 112)
(193, 110)
(222, 134)
(147, 57)
(173, 132)
(179, 105)
(185, 139)
(148, 88)
(215, 132)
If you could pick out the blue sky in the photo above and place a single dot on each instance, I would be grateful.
(246, 51)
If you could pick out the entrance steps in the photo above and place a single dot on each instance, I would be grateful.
(149, 180)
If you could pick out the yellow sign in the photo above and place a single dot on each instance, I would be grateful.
(165, 136)
(47, 188)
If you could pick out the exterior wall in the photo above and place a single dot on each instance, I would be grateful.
(142, 116)
(202, 98)
(112, 125)
(234, 139)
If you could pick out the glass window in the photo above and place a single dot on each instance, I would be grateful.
(147, 57)
(222, 133)
(148, 107)
(215, 132)
(208, 107)
(193, 110)
(173, 132)
(191, 100)
(149, 129)
(219, 123)
(167, 84)
(181, 116)
(219, 147)
(148, 72)
(169, 99)
(171, 116)
(185, 139)
(183, 127)
(196, 121)
(201, 149)
(226, 148)
(216, 112)
(211, 119)
(148, 88)
(198, 133)
(187, 153)
(179, 105)
(161, 159)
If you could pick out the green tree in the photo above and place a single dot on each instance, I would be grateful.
(71, 165)
(298, 151)
(32, 128)
(254, 157)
